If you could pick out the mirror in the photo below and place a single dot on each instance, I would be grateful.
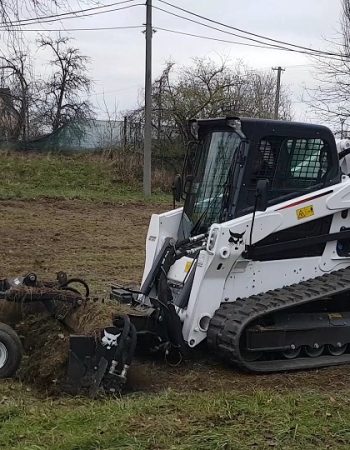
(261, 194)
(188, 183)
(177, 188)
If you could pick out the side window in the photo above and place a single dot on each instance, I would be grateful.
(306, 163)
(309, 160)
(291, 164)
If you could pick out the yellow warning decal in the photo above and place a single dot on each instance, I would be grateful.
(188, 266)
(305, 212)
(333, 316)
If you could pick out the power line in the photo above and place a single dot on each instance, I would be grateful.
(272, 46)
(71, 17)
(211, 27)
(115, 90)
(267, 47)
(294, 66)
(68, 15)
(298, 65)
(226, 41)
(249, 32)
(22, 21)
(212, 38)
(36, 30)
(259, 44)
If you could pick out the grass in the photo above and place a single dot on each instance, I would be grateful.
(84, 177)
(173, 420)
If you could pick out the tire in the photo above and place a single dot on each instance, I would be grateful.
(10, 351)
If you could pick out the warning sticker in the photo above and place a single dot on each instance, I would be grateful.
(335, 316)
(188, 266)
(305, 212)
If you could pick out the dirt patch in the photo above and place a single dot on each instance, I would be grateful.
(98, 242)
(103, 243)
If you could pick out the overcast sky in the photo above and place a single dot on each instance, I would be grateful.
(117, 56)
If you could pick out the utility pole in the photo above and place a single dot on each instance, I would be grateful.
(278, 90)
(147, 149)
(125, 132)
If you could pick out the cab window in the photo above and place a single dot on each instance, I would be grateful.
(291, 164)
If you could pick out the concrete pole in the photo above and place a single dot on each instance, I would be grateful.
(278, 90)
(147, 149)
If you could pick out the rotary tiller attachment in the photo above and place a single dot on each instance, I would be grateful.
(97, 361)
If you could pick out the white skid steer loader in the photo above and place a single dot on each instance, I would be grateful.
(257, 261)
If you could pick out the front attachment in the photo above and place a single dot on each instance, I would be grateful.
(102, 362)
(99, 355)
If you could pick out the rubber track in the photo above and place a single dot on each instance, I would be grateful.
(231, 319)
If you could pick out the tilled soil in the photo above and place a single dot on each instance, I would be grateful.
(98, 242)
(103, 243)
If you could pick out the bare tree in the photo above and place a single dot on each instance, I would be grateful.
(331, 98)
(30, 105)
(11, 10)
(207, 89)
(62, 92)
(18, 93)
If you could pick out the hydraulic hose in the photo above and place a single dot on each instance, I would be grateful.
(79, 281)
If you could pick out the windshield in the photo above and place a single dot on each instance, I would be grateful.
(204, 204)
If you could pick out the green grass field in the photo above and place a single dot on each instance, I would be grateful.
(85, 177)
(78, 218)
(226, 420)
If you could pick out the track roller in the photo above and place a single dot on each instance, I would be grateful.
(336, 350)
(292, 353)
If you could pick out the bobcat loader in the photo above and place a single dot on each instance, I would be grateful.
(256, 262)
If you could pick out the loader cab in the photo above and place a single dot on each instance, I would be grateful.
(231, 155)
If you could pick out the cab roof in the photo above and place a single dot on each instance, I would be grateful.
(256, 128)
